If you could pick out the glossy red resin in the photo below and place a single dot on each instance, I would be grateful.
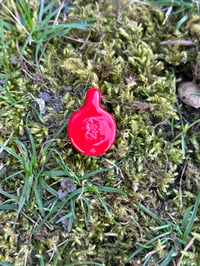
(91, 129)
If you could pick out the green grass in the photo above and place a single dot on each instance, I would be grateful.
(170, 240)
(33, 176)
(41, 29)
(34, 188)
(180, 7)
(4, 58)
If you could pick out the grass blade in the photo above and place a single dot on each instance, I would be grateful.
(12, 105)
(31, 138)
(10, 176)
(88, 208)
(10, 196)
(52, 210)
(111, 189)
(191, 221)
(105, 207)
(181, 21)
(8, 150)
(38, 196)
(154, 216)
(147, 243)
(4, 58)
(41, 260)
(48, 188)
(96, 172)
(9, 207)
(24, 196)
(186, 218)
(168, 258)
(5, 264)
(64, 217)
(162, 227)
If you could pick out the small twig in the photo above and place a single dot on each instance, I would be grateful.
(58, 14)
(84, 212)
(47, 224)
(16, 18)
(151, 253)
(59, 245)
(46, 142)
(179, 42)
(125, 223)
(97, 50)
(111, 234)
(185, 249)
(56, 182)
(81, 40)
(174, 221)
(8, 17)
(30, 219)
(86, 41)
(167, 14)
(132, 2)
(161, 123)
(22, 58)
(197, 3)
(180, 186)
(79, 198)
(82, 191)
(29, 240)
(54, 250)
(22, 63)
(118, 169)
(44, 48)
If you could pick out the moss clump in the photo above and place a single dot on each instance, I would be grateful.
(155, 158)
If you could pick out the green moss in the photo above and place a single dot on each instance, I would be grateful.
(147, 153)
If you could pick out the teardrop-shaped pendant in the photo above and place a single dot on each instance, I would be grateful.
(91, 129)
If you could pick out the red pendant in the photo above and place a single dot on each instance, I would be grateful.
(91, 129)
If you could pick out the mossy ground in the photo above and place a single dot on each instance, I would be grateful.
(155, 158)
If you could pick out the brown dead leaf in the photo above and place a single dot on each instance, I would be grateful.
(179, 42)
(189, 93)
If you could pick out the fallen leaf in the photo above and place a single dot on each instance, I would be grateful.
(41, 104)
(68, 185)
(189, 93)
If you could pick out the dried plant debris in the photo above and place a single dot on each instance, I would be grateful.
(45, 96)
(66, 222)
(67, 186)
(189, 93)
(130, 79)
(178, 42)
